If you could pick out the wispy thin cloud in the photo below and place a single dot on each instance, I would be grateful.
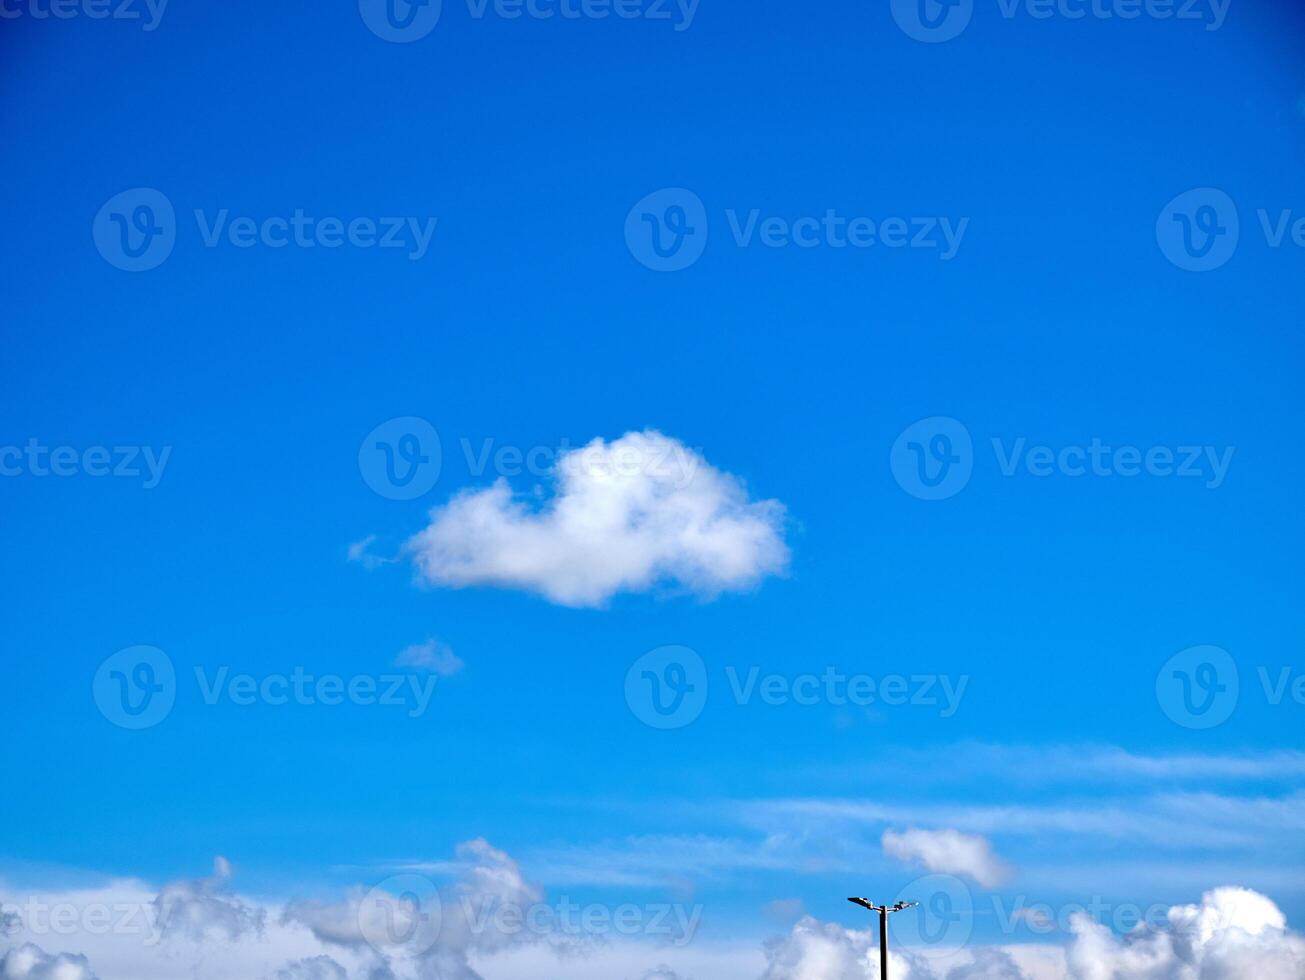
(433, 655)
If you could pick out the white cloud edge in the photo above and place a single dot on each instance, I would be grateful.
(632, 515)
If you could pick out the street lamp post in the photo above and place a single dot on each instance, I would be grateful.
(884, 912)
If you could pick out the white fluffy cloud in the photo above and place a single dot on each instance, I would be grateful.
(816, 950)
(194, 909)
(947, 852)
(625, 516)
(333, 923)
(988, 964)
(441, 932)
(28, 962)
(1232, 934)
(314, 968)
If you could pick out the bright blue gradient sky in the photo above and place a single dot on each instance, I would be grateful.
(529, 323)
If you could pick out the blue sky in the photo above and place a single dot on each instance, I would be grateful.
(530, 321)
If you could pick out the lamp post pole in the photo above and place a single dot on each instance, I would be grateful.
(883, 944)
(884, 911)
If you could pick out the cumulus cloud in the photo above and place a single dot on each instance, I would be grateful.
(433, 655)
(334, 923)
(625, 516)
(988, 964)
(1230, 934)
(30, 962)
(195, 909)
(1233, 933)
(439, 932)
(815, 950)
(947, 852)
(313, 968)
(492, 881)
